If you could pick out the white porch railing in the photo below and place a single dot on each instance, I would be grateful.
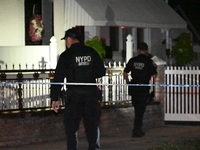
(118, 93)
(182, 103)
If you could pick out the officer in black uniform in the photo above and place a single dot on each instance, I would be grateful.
(79, 64)
(142, 69)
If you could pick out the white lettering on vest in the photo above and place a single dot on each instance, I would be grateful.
(83, 60)
(138, 65)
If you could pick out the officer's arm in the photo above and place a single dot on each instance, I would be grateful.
(126, 77)
(127, 69)
(154, 76)
(100, 70)
(58, 78)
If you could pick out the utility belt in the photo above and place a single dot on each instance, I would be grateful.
(90, 91)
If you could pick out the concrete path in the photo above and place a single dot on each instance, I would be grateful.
(123, 141)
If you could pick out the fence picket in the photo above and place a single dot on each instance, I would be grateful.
(198, 103)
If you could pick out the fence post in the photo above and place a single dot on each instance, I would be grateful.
(110, 86)
(129, 47)
(53, 53)
(20, 99)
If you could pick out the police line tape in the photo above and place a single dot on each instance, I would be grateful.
(104, 84)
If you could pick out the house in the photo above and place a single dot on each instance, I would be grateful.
(152, 21)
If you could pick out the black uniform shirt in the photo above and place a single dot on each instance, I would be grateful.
(141, 68)
(79, 64)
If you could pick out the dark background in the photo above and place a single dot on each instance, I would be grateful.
(191, 9)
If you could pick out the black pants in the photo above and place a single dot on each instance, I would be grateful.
(139, 102)
(82, 105)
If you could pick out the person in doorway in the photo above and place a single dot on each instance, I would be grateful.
(142, 69)
(79, 64)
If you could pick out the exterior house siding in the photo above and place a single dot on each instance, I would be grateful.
(75, 15)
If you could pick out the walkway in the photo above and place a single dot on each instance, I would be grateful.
(123, 141)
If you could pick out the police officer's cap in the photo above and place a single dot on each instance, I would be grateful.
(143, 46)
(73, 32)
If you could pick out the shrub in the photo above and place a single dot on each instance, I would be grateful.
(182, 51)
(97, 45)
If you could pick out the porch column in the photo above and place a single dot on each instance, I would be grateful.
(129, 47)
(134, 36)
(147, 38)
(53, 53)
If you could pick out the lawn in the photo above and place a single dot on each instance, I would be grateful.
(192, 144)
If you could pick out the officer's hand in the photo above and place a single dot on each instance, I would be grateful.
(55, 105)
(127, 82)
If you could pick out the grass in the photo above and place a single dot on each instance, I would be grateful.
(192, 144)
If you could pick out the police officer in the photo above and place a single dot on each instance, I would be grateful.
(142, 69)
(79, 64)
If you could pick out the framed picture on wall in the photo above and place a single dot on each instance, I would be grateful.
(34, 28)
(38, 22)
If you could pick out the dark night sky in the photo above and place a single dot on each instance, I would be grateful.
(191, 9)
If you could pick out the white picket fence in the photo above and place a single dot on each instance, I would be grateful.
(182, 103)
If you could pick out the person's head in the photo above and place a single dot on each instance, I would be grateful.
(143, 48)
(71, 36)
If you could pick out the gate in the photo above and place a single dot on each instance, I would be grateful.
(182, 98)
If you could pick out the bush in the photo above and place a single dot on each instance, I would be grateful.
(182, 51)
(97, 45)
